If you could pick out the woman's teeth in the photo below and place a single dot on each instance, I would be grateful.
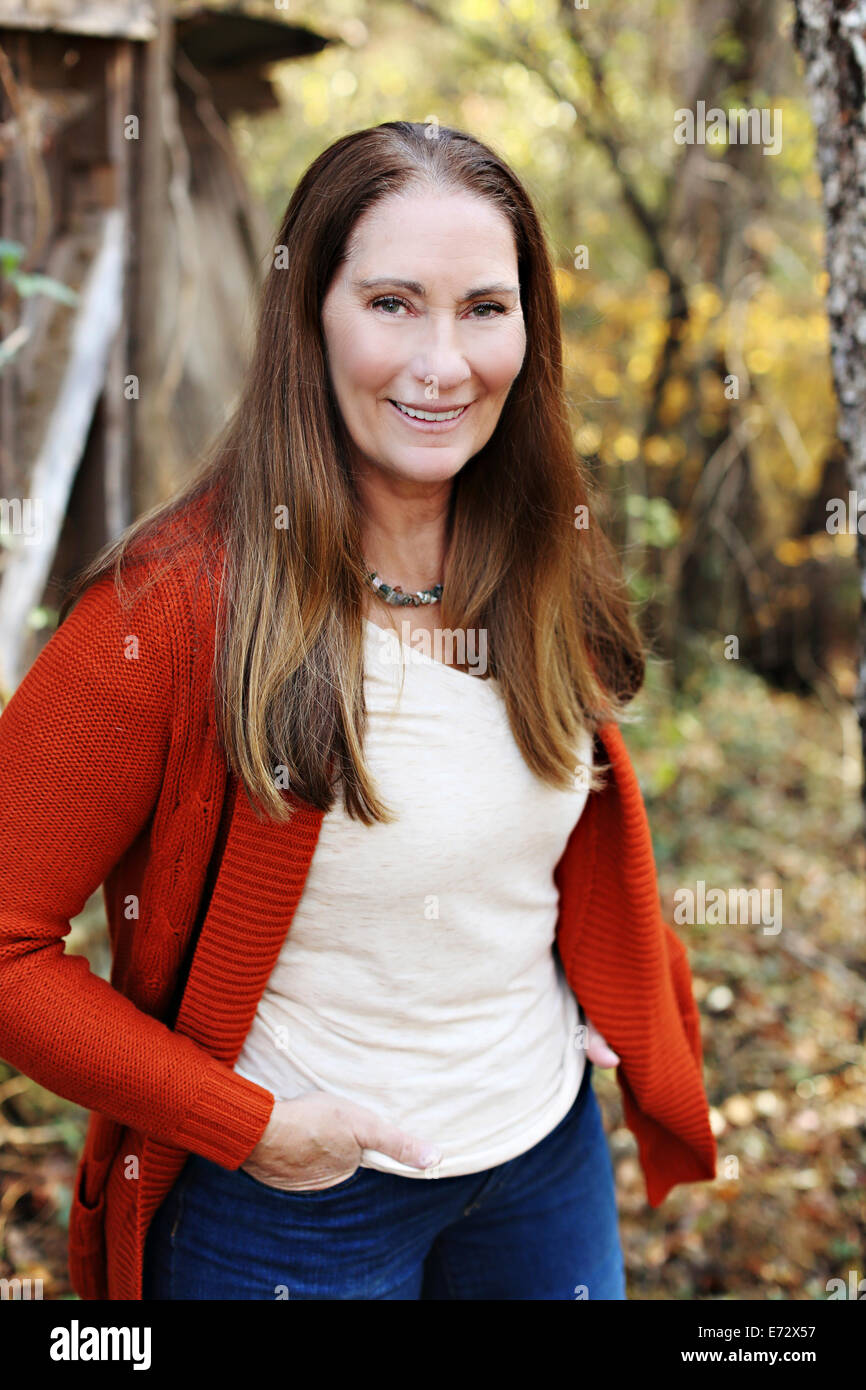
(429, 414)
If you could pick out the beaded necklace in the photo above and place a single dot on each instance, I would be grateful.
(394, 593)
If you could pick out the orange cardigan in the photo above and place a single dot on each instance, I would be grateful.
(113, 775)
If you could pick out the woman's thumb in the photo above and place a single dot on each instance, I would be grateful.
(599, 1052)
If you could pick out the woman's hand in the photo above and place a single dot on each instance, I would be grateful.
(597, 1050)
(315, 1141)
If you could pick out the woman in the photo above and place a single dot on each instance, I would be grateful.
(239, 745)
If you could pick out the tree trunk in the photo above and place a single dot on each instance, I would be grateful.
(831, 37)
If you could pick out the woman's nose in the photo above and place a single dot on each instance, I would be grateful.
(441, 364)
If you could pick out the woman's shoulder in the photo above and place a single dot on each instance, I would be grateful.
(157, 603)
(172, 572)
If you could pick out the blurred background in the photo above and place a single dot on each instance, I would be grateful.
(148, 153)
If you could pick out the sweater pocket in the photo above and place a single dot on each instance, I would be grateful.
(87, 1267)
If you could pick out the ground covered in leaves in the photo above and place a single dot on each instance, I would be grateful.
(745, 787)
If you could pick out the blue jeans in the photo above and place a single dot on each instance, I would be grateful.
(541, 1226)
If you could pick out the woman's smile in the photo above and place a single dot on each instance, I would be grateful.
(432, 421)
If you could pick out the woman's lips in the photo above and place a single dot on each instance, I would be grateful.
(430, 426)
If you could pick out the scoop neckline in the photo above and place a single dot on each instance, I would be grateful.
(489, 681)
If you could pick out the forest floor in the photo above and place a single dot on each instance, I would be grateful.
(746, 787)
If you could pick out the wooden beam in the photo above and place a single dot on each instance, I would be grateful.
(29, 557)
(104, 19)
(117, 436)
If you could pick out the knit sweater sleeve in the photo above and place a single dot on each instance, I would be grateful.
(83, 746)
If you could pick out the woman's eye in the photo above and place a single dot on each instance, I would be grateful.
(500, 308)
(387, 299)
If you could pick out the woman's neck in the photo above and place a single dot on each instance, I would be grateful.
(404, 538)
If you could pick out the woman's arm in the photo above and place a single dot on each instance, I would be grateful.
(83, 746)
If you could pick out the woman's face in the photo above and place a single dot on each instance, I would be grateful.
(425, 312)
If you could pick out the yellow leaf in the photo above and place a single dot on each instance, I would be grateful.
(606, 382)
(625, 446)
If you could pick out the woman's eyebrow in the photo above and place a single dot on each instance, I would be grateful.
(416, 288)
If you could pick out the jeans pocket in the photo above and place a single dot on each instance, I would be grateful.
(305, 1194)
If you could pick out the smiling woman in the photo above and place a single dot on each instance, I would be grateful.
(436, 356)
(421, 376)
(373, 910)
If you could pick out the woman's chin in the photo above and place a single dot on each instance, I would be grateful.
(425, 465)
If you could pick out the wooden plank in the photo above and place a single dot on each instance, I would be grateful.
(126, 19)
(155, 247)
(117, 436)
(9, 176)
(29, 558)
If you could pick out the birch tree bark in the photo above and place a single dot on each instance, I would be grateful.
(831, 37)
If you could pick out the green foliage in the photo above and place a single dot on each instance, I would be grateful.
(39, 618)
(26, 284)
(656, 522)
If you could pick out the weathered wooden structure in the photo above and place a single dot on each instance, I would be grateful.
(119, 178)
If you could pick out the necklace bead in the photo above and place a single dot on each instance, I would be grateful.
(394, 593)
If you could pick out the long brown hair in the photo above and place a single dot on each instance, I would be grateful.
(288, 659)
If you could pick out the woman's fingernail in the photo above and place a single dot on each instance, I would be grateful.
(430, 1156)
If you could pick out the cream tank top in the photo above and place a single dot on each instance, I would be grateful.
(418, 977)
